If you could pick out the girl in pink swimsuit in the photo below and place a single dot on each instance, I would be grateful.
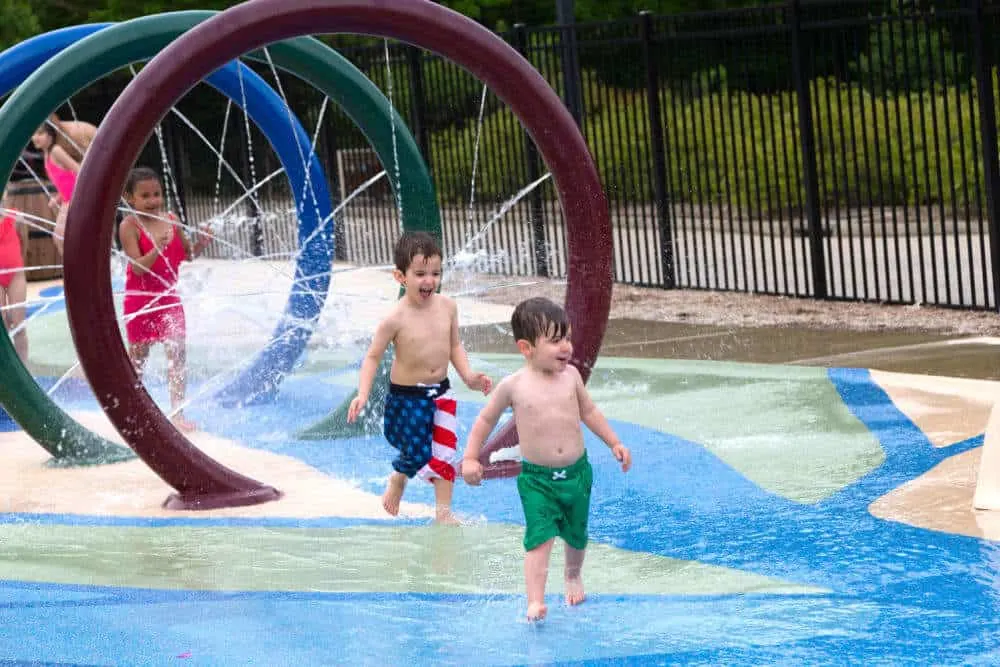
(156, 245)
(61, 169)
(13, 284)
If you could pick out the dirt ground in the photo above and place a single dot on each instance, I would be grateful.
(734, 309)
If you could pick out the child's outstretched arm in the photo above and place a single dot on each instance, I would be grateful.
(460, 360)
(594, 419)
(500, 400)
(384, 334)
(194, 248)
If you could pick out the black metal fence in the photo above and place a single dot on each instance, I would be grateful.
(832, 149)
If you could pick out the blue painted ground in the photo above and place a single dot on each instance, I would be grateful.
(51, 301)
(899, 594)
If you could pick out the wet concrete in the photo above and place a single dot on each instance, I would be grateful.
(899, 351)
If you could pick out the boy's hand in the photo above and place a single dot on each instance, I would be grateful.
(480, 382)
(355, 408)
(472, 472)
(622, 453)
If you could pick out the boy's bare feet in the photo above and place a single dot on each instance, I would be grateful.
(442, 502)
(446, 518)
(394, 493)
(574, 591)
(537, 611)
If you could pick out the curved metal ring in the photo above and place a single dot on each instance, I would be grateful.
(307, 58)
(249, 26)
(67, 441)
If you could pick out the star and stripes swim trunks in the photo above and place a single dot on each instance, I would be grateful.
(420, 422)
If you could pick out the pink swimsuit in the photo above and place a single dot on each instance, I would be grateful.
(63, 179)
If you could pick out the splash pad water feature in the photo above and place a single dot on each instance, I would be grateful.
(103, 50)
(249, 27)
(736, 541)
(69, 444)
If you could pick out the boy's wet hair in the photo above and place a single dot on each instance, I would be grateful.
(537, 317)
(137, 176)
(411, 244)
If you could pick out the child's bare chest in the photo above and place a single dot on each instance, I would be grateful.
(432, 332)
(156, 228)
(546, 401)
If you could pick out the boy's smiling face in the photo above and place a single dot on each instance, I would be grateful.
(549, 353)
(422, 278)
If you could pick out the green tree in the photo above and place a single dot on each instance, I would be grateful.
(906, 53)
(494, 14)
(53, 14)
(487, 12)
(606, 10)
(19, 22)
(122, 10)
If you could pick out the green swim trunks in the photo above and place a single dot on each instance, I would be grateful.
(556, 502)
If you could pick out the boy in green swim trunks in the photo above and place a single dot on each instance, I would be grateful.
(549, 401)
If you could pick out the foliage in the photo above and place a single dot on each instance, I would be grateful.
(120, 10)
(743, 149)
(19, 22)
(903, 56)
(450, 95)
(502, 165)
(495, 14)
(606, 10)
(729, 117)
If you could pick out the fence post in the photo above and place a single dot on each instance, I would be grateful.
(536, 208)
(418, 117)
(328, 147)
(573, 96)
(659, 150)
(808, 142)
(988, 128)
(176, 147)
(253, 206)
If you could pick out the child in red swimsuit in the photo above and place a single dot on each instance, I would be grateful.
(13, 285)
(156, 245)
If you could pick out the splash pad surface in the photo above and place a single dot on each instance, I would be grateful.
(762, 522)
(747, 532)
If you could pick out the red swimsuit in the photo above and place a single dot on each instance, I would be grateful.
(154, 294)
(10, 251)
